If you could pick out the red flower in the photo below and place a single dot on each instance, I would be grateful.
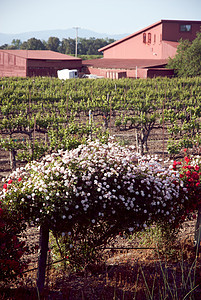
(19, 179)
(10, 181)
(197, 168)
(5, 186)
(195, 175)
(188, 173)
(175, 163)
(186, 159)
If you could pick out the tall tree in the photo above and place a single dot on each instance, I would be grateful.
(67, 46)
(5, 46)
(16, 43)
(53, 44)
(33, 44)
(187, 61)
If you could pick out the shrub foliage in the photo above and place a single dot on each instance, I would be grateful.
(12, 249)
(95, 191)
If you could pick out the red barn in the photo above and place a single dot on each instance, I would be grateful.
(145, 52)
(27, 63)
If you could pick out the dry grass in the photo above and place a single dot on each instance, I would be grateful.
(170, 271)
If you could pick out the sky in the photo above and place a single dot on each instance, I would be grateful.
(102, 16)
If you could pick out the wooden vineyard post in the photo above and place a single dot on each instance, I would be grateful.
(137, 144)
(67, 100)
(110, 114)
(13, 154)
(197, 237)
(106, 113)
(44, 239)
(164, 100)
(90, 123)
(34, 137)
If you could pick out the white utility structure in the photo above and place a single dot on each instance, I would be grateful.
(67, 74)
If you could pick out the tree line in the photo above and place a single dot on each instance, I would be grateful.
(187, 61)
(66, 46)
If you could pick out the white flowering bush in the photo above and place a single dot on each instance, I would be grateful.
(94, 191)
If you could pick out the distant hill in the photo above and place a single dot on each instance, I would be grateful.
(65, 33)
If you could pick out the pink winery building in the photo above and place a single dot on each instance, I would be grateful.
(144, 53)
(27, 63)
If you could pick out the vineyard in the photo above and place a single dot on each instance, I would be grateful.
(100, 189)
(42, 115)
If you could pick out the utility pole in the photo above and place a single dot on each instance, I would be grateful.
(76, 28)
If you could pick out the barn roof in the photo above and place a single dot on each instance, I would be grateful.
(41, 54)
(113, 63)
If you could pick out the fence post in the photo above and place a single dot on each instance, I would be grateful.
(197, 236)
(44, 239)
(13, 154)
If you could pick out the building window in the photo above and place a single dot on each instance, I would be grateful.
(160, 38)
(10, 59)
(1, 58)
(149, 38)
(144, 37)
(185, 27)
(154, 39)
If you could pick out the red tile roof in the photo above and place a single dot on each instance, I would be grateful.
(113, 63)
(41, 54)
